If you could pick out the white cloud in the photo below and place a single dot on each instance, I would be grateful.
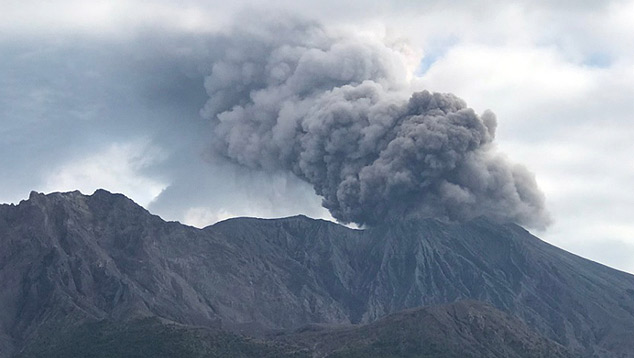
(569, 122)
(201, 217)
(118, 168)
(103, 17)
(509, 77)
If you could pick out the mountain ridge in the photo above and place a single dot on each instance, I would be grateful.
(103, 256)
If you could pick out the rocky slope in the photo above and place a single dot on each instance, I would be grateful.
(67, 258)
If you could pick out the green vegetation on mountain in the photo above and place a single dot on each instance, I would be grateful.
(151, 338)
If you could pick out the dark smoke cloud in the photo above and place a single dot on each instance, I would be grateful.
(333, 110)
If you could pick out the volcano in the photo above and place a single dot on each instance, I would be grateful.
(71, 262)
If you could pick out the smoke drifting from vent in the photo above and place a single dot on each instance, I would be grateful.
(334, 110)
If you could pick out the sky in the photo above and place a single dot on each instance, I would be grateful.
(110, 94)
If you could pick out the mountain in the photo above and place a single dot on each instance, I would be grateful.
(68, 259)
(152, 338)
(464, 329)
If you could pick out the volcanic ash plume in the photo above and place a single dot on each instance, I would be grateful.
(331, 109)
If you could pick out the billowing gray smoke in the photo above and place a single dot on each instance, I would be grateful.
(332, 109)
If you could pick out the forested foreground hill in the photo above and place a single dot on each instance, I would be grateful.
(467, 329)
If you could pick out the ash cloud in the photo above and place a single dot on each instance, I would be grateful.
(334, 109)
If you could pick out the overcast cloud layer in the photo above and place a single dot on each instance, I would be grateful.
(107, 94)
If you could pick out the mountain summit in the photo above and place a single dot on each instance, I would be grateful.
(68, 258)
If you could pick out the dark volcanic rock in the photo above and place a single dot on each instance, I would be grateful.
(67, 258)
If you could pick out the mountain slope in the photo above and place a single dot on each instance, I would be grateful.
(151, 338)
(578, 303)
(67, 257)
(465, 329)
